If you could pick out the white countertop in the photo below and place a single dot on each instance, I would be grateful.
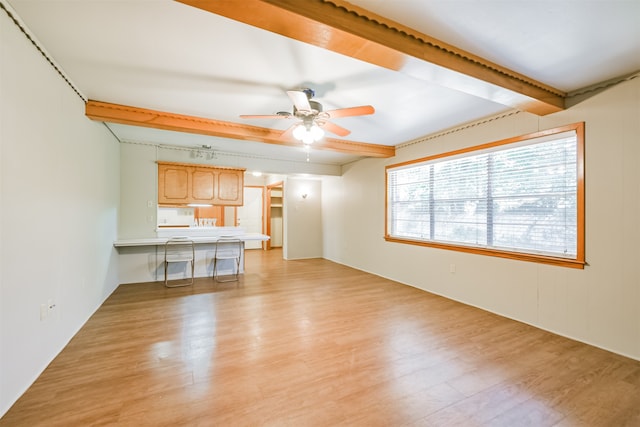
(198, 231)
(155, 241)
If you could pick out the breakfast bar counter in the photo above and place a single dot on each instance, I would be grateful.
(142, 259)
(155, 241)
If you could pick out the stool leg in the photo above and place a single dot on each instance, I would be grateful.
(165, 273)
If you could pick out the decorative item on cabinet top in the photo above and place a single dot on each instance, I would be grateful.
(182, 184)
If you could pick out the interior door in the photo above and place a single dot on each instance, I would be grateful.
(250, 214)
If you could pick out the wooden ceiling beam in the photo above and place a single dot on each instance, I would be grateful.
(344, 28)
(135, 116)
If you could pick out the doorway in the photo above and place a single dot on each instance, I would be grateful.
(274, 223)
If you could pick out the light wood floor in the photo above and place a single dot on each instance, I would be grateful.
(312, 343)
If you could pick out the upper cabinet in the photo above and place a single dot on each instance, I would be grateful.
(204, 182)
(230, 187)
(181, 184)
(173, 184)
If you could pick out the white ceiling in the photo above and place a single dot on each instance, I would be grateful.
(167, 56)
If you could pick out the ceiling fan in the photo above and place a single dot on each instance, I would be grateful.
(312, 121)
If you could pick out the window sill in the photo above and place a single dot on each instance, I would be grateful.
(541, 259)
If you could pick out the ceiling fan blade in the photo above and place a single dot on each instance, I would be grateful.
(362, 110)
(335, 129)
(288, 133)
(300, 100)
(267, 116)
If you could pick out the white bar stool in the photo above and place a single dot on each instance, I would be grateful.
(179, 249)
(227, 249)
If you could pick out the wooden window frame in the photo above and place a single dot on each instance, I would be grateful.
(578, 262)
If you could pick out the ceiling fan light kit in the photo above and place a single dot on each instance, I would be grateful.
(308, 133)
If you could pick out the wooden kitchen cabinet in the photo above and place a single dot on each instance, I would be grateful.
(182, 184)
(203, 185)
(230, 187)
(173, 184)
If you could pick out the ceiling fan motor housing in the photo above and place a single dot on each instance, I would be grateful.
(316, 108)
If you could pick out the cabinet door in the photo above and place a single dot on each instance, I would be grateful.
(173, 184)
(230, 187)
(203, 181)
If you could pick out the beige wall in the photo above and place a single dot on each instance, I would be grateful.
(59, 174)
(138, 191)
(599, 305)
(302, 218)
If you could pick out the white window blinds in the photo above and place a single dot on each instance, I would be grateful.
(518, 197)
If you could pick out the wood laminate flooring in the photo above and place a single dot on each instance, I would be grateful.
(314, 343)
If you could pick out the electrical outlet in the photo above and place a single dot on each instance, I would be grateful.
(149, 203)
(452, 268)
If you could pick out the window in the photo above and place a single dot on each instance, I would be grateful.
(520, 198)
